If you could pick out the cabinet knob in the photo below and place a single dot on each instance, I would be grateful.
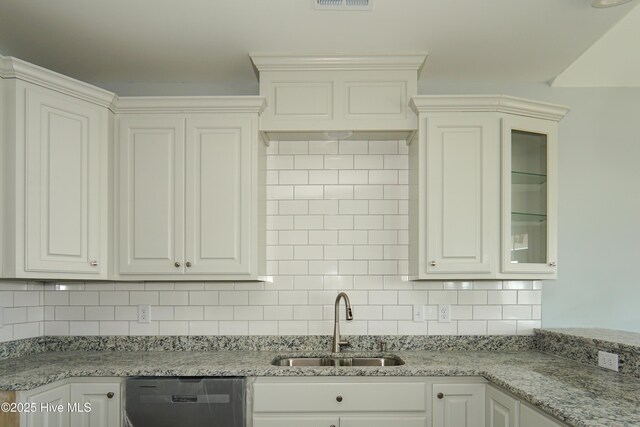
(432, 263)
(188, 264)
(440, 395)
(553, 264)
(332, 425)
(339, 398)
(177, 264)
(110, 395)
(93, 263)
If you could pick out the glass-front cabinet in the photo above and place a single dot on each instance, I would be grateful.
(529, 195)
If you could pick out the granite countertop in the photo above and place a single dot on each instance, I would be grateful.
(577, 394)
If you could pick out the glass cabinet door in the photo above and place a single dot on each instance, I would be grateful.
(529, 200)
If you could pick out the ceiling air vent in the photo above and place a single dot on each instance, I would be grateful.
(343, 4)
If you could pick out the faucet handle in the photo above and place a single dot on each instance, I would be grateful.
(344, 343)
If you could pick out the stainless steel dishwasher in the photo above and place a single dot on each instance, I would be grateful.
(185, 402)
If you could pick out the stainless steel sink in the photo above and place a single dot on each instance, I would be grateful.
(338, 361)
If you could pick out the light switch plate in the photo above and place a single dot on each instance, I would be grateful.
(418, 313)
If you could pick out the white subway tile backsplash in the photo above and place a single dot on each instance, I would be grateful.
(293, 147)
(323, 147)
(368, 162)
(203, 327)
(174, 298)
(347, 176)
(114, 328)
(188, 313)
(383, 147)
(471, 297)
(472, 327)
(368, 192)
(235, 327)
(324, 177)
(530, 297)
(516, 312)
(293, 207)
(308, 222)
(307, 192)
(338, 162)
(337, 220)
(501, 327)
(353, 147)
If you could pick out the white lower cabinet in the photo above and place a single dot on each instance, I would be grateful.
(340, 402)
(78, 402)
(505, 410)
(458, 405)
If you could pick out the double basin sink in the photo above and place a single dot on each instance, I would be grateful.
(337, 361)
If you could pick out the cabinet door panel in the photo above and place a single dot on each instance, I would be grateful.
(104, 410)
(151, 194)
(529, 195)
(296, 421)
(218, 195)
(64, 183)
(462, 184)
(397, 421)
(461, 405)
(49, 418)
(501, 410)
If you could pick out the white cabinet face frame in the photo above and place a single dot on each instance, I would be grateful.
(462, 178)
(219, 192)
(54, 396)
(535, 128)
(151, 194)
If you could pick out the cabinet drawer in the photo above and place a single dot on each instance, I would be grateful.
(337, 397)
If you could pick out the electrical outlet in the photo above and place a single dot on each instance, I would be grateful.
(144, 313)
(444, 313)
(418, 313)
(608, 360)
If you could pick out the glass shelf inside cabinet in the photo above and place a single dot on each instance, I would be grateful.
(527, 178)
(522, 218)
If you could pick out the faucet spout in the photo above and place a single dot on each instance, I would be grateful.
(337, 341)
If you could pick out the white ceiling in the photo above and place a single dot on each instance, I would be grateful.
(126, 45)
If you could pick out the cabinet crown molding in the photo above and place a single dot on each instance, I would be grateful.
(14, 68)
(487, 103)
(339, 62)
(190, 104)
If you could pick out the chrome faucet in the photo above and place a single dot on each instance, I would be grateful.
(337, 342)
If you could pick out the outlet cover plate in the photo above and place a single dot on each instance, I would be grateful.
(444, 313)
(144, 313)
(608, 360)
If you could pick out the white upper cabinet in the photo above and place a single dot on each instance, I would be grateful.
(529, 195)
(308, 96)
(55, 169)
(189, 204)
(482, 188)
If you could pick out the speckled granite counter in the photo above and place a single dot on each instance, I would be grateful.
(580, 395)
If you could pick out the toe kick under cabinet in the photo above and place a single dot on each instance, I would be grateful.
(483, 188)
(190, 188)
